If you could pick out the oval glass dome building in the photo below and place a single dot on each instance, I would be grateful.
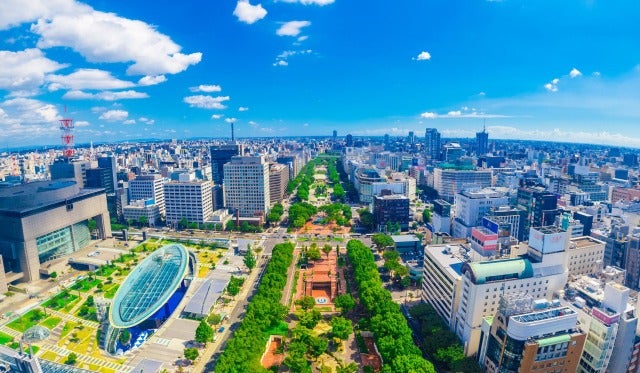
(147, 298)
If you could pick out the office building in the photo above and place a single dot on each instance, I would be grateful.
(442, 279)
(246, 186)
(108, 163)
(441, 219)
(482, 142)
(449, 179)
(472, 205)
(189, 199)
(100, 178)
(141, 211)
(616, 243)
(540, 206)
(390, 209)
(531, 336)
(511, 216)
(221, 154)
(278, 181)
(44, 221)
(365, 178)
(585, 256)
(63, 169)
(452, 152)
(349, 140)
(145, 187)
(632, 262)
(432, 143)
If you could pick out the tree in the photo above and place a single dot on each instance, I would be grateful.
(317, 346)
(341, 327)
(143, 220)
(183, 223)
(327, 249)
(350, 368)
(231, 225)
(214, 319)
(309, 319)
(204, 333)
(426, 216)
(366, 219)
(345, 302)
(234, 285)
(306, 303)
(72, 358)
(92, 225)
(53, 275)
(191, 354)
(313, 253)
(249, 259)
(382, 240)
(125, 337)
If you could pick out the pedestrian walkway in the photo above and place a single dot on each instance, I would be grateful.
(14, 333)
(78, 320)
(87, 359)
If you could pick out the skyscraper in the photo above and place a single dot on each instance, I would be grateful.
(432, 143)
(335, 135)
(411, 138)
(221, 154)
(349, 141)
(482, 142)
(109, 163)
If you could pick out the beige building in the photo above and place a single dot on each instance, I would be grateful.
(585, 256)
(44, 221)
(246, 186)
(278, 180)
(190, 199)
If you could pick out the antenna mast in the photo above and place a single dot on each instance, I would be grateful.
(66, 126)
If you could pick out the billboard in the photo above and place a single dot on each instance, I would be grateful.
(492, 226)
(547, 243)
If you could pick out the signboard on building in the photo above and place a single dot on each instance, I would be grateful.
(490, 225)
(547, 242)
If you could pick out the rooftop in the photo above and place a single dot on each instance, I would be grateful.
(585, 241)
(149, 286)
(38, 195)
(543, 315)
(448, 258)
(500, 270)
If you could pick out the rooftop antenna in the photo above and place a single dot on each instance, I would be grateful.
(233, 139)
(66, 126)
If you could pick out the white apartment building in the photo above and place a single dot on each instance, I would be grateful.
(539, 273)
(472, 205)
(449, 181)
(246, 186)
(137, 209)
(585, 256)
(145, 187)
(188, 199)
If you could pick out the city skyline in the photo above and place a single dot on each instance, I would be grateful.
(546, 71)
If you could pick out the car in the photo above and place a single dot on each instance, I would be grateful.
(221, 329)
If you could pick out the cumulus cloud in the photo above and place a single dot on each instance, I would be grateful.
(243, 108)
(81, 123)
(103, 37)
(206, 102)
(17, 12)
(423, 56)
(87, 79)
(574, 73)
(146, 120)
(230, 120)
(114, 115)
(23, 110)
(429, 115)
(248, 13)
(25, 70)
(206, 88)
(552, 86)
(310, 2)
(281, 63)
(104, 96)
(292, 28)
(152, 80)
(129, 121)
(282, 58)
(253, 123)
(455, 113)
(303, 38)
(217, 116)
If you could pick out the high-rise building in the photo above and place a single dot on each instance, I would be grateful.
(390, 208)
(246, 186)
(221, 154)
(335, 135)
(349, 140)
(432, 143)
(540, 205)
(109, 163)
(451, 179)
(278, 180)
(482, 142)
(632, 262)
(145, 187)
(452, 152)
(76, 170)
(441, 219)
(190, 200)
(585, 256)
(100, 178)
(472, 205)
(411, 138)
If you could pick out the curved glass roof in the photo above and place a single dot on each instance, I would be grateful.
(36, 333)
(149, 286)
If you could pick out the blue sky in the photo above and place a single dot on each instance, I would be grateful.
(552, 70)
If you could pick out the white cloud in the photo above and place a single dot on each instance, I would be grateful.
(230, 120)
(81, 123)
(306, 125)
(292, 28)
(455, 113)
(87, 79)
(574, 73)
(206, 88)
(309, 2)
(423, 56)
(105, 37)
(16, 12)
(482, 94)
(253, 123)
(129, 121)
(281, 63)
(152, 80)
(104, 96)
(114, 115)
(206, 102)
(217, 116)
(25, 70)
(596, 74)
(146, 120)
(281, 59)
(552, 86)
(30, 111)
(248, 13)
(243, 108)
(428, 115)
(303, 38)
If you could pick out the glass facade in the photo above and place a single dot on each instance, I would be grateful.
(63, 241)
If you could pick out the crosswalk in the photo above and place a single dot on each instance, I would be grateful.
(88, 359)
(162, 341)
(78, 320)
(14, 333)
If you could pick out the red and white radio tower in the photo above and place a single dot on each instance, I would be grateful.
(66, 126)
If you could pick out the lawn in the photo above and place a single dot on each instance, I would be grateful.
(51, 322)
(50, 355)
(60, 300)
(81, 339)
(68, 327)
(5, 338)
(110, 292)
(85, 284)
(281, 329)
(27, 320)
(106, 271)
